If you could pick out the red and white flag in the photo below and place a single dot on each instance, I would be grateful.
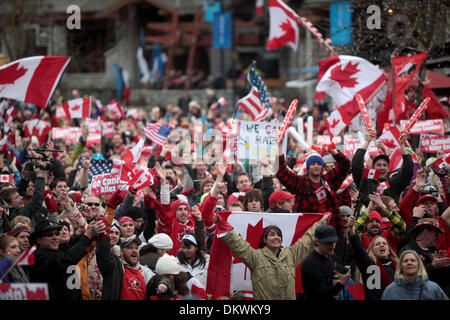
(443, 161)
(321, 194)
(342, 77)
(9, 116)
(382, 186)
(226, 272)
(32, 79)
(77, 108)
(115, 109)
(38, 128)
(371, 174)
(390, 138)
(26, 258)
(7, 178)
(405, 69)
(259, 7)
(253, 106)
(142, 179)
(284, 29)
(335, 123)
(348, 181)
(108, 129)
(134, 154)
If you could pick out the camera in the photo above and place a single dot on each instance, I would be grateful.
(426, 214)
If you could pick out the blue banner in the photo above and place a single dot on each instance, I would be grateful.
(222, 30)
(341, 23)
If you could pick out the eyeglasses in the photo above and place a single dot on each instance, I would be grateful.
(90, 204)
(51, 234)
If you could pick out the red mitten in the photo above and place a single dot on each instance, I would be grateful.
(50, 201)
(106, 233)
(132, 190)
(222, 226)
(116, 199)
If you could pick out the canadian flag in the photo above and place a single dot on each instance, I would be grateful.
(335, 123)
(9, 116)
(32, 79)
(396, 159)
(283, 26)
(7, 178)
(405, 69)
(382, 186)
(371, 174)
(26, 258)
(143, 178)
(134, 154)
(116, 109)
(390, 137)
(443, 161)
(77, 108)
(226, 272)
(38, 128)
(321, 194)
(342, 77)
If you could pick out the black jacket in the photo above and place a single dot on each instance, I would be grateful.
(51, 266)
(317, 278)
(112, 270)
(397, 183)
(363, 262)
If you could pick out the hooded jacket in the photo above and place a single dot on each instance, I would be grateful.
(418, 289)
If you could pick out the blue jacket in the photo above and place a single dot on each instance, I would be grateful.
(415, 290)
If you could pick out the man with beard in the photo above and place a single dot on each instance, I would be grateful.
(370, 223)
(395, 184)
(124, 278)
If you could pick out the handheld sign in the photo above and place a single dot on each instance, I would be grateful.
(287, 120)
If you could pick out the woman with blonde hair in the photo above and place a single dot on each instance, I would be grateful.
(411, 281)
(377, 265)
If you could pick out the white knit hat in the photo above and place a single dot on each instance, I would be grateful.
(161, 241)
(167, 265)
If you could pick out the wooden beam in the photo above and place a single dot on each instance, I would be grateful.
(173, 39)
(162, 6)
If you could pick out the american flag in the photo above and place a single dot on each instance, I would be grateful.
(157, 133)
(257, 102)
(100, 166)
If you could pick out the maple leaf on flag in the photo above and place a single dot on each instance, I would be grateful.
(75, 107)
(343, 76)
(10, 74)
(334, 123)
(288, 36)
(390, 143)
(254, 234)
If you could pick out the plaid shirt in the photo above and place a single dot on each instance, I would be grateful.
(398, 225)
(302, 187)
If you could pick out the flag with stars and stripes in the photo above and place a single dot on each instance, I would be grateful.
(157, 133)
(257, 102)
(101, 166)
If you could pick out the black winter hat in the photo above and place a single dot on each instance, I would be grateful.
(134, 213)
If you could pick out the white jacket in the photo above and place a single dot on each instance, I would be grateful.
(199, 272)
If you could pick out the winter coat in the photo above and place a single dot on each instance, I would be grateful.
(112, 269)
(273, 276)
(418, 289)
(397, 183)
(196, 270)
(364, 262)
(52, 267)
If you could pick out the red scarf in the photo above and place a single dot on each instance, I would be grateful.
(384, 275)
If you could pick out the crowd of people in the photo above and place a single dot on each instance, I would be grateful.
(374, 244)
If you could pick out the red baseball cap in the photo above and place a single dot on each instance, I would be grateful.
(278, 196)
(426, 197)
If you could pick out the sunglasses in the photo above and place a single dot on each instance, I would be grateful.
(51, 234)
(90, 204)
